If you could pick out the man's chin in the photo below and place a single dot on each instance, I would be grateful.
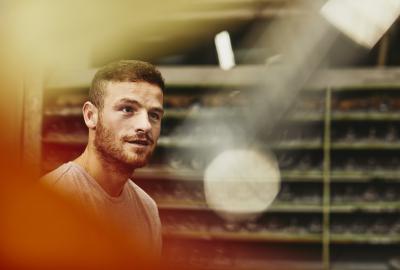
(137, 162)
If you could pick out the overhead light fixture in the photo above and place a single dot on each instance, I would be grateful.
(225, 54)
(364, 21)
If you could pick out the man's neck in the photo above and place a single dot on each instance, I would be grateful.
(111, 176)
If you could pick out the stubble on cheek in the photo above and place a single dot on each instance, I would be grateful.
(113, 146)
(106, 142)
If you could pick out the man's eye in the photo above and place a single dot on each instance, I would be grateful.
(155, 116)
(127, 109)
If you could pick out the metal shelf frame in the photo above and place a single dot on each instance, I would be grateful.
(328, 81)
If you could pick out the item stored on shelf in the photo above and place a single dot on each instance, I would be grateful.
(309, 104)
(315, 226)
(299, 161)
(391, 194)
(392, 134)
(394, 263)
(286, 160)
(338, 228)
(179, 161)
(370, 194)
(181, 101)
(65, 127)
(350, 135)
(197, 163)
(175, 161)
(180, 192)
(286, 194)
(379, 226)
(309, 133)
(351, 164)
(373, 103)
(358, 227)
(232, 226)
(395, 227)
(372, 134)
(253, 226)
(305, 162)
(220, 258)
(273, 224)
(350, 104)
(294, 226)
(394, 163)
(364, 192)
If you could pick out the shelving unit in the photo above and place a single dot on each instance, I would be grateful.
(63, 137)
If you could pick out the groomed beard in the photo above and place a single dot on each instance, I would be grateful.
(106, 144)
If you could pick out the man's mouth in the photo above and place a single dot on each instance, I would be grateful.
(140, 142)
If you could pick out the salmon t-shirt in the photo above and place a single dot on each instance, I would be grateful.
(134, 211)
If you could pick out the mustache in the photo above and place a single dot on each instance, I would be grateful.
(139, 137)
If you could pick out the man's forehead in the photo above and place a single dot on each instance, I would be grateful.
(123, 91)
(135, 88)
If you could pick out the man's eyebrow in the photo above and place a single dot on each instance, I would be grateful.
(133, 101)
(159, 110)
(128, 100)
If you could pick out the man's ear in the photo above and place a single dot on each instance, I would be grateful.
(90, 114)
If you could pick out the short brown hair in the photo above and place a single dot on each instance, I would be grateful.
(123, 71)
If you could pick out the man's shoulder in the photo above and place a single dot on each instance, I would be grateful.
(143, 196)
(55, 175)
(58, 174)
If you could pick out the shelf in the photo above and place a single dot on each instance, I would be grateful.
(245, 236)
(302, 116)
(204, 113)
(284, 237)
(242, 264)
(176, 141)
(364, 239)
(360, 144)
(165, 173)
(365, 116)
(365, 176)
(63, 112)
(185, 142)
(276, 207)
(193, 113)
(299, 265)
(244, 75)
(366, 207)
(348, 116)
(67, 139)
(182, 205)
(168, 173)
(370, 207)
(161, 172)
(297, 175)
(313, 144)
(365, 145)
(287, 175)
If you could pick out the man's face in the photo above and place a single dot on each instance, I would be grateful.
(129, 123)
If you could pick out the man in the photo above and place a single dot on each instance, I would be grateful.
(123, 116)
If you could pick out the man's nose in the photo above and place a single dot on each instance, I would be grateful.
(142, 122)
